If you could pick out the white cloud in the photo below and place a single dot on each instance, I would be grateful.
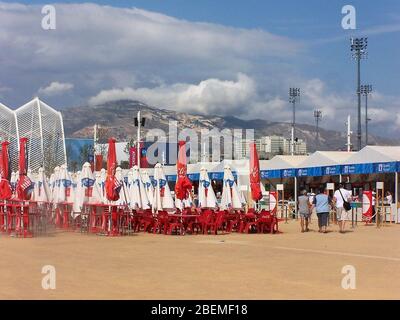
(56, 88)
(211, 96)
(106, 53)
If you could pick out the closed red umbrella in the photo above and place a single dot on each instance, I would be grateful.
(183, 184)
(112, 184)
(5, 188)
(24, 185)
(255, 187)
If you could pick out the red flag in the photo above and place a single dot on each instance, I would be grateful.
(24, 185)
(183, 184)
(112, 185)
(254, 173)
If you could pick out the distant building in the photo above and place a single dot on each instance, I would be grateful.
(269, 146)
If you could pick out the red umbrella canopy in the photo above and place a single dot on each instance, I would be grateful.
(112, 184)
(254, 173)
(24, 186)
(183, 185)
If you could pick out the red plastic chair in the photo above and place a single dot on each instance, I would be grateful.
(206, 220)
(161, 223)
(175, 223)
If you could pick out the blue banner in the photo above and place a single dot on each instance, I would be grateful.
(270, 174)
(331, 170)
(385, 167)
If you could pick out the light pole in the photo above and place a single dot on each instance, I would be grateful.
(139, 122)
(366, 89)
(317, 116)
(349, 132)
(294, 96)
(358, 48)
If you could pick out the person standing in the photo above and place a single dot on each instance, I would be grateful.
(303, 207)
(341, 199)
(389, 198)
(322, 205)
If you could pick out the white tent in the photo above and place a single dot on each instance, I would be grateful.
(325, 158)
(282, 162)
(375, 154)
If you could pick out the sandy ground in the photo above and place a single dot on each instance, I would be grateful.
(291, 265)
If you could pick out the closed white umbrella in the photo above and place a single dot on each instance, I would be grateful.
(103, 177)
(207, 198)
(136, 191)
(55, 184)
(123, 192)
(162, 194)
(87, 191)
(230, 193)
(66, 192)
(13, 183)
(145, 200)
(148, 185)
(41, 190)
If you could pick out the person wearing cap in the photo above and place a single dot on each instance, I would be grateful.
(304, 210)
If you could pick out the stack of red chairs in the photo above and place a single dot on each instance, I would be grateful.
(267, 222)
(145, 221)
(161, 223)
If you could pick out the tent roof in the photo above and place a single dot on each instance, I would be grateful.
(325, 158)
(282, 162)
(374, 154)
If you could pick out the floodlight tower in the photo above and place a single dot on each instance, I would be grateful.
(318, 117)
(294, 96)
(358, 47)
(366, 89)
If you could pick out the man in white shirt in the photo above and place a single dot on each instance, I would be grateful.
(338, 198)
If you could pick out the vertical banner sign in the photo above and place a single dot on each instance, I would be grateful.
(273, 195)
(91, 161)
(99, 162)
(143, 156)
(132, 157)
(367, 205)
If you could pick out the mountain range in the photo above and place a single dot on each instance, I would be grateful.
(118, 118)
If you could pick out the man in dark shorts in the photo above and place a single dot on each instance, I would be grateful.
(304, 210)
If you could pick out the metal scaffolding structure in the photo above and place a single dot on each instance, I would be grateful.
(43, 126)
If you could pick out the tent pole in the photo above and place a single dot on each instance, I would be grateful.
(295, 196)
(340, 178)
(396, 194)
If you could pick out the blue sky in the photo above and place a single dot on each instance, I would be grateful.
(257, 50)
